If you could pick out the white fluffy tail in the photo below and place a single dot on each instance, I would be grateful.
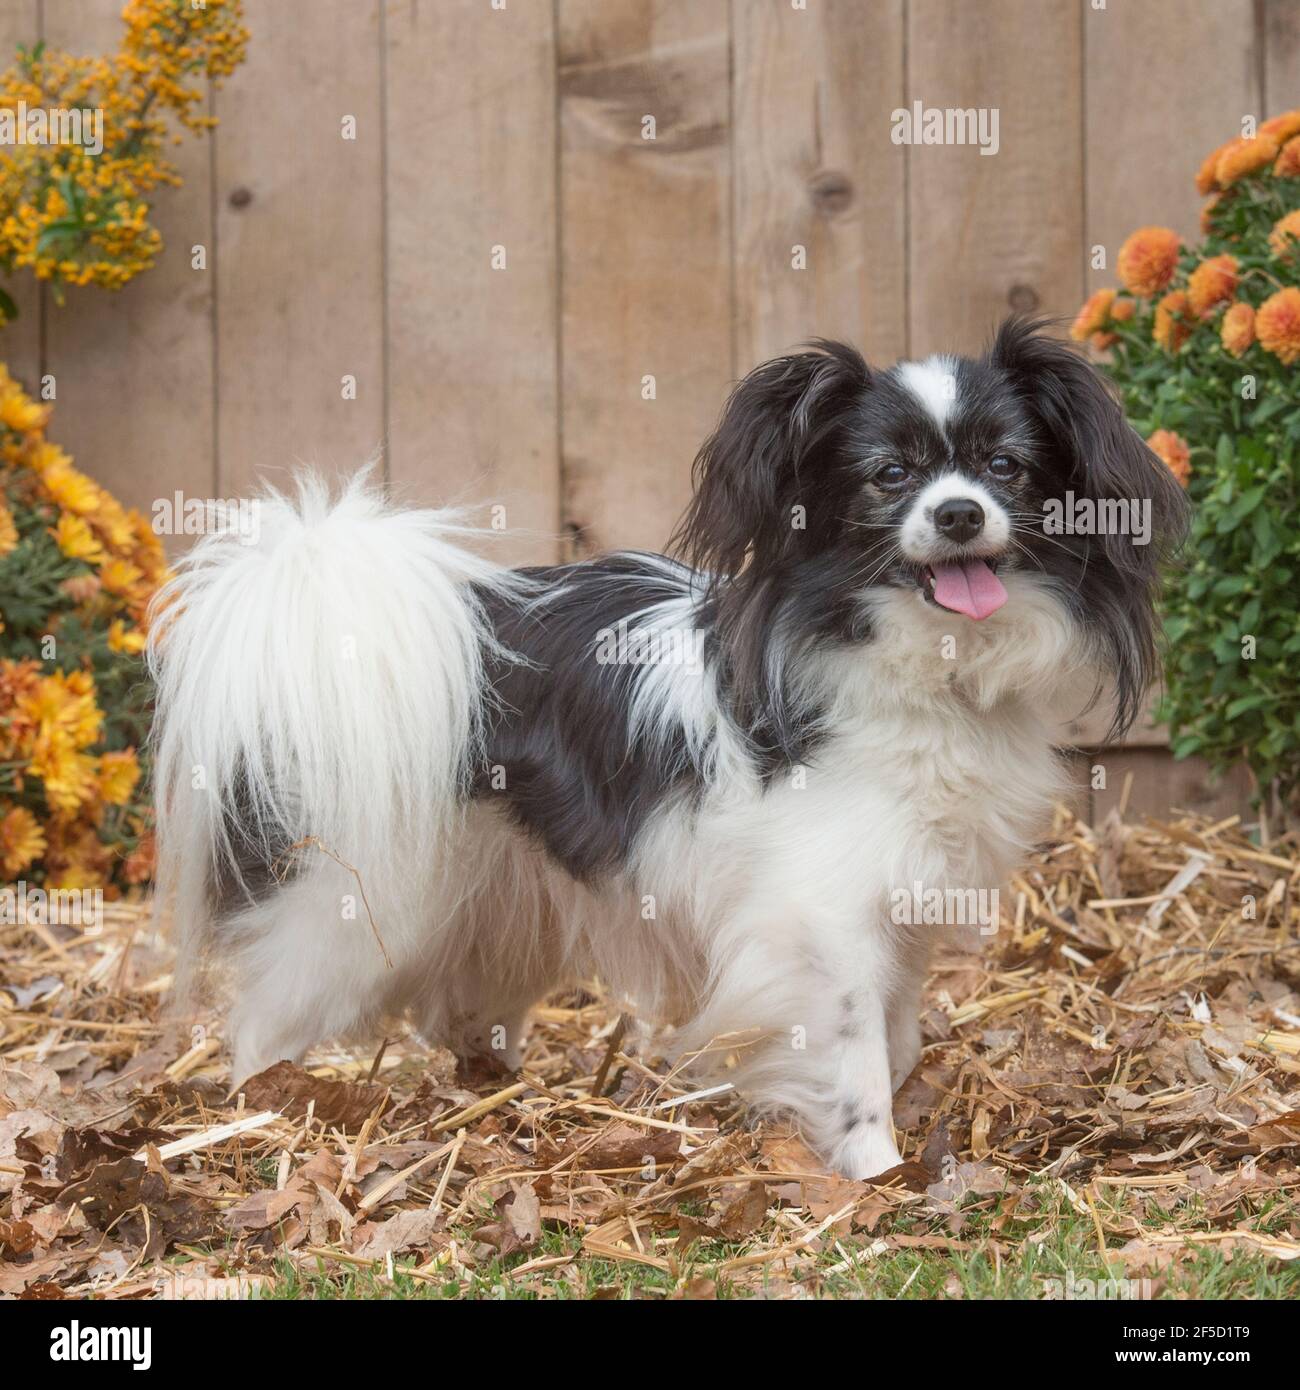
(319, 684)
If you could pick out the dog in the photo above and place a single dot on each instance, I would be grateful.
(395, 778)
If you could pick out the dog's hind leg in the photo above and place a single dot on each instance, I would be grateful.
(304, 971)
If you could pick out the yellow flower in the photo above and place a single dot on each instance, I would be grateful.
(1285, 234)
(1241, 157)
(19, 412)
(1093, 316)
(1171, 449)
(124, 639)
(119, 577)
(1212, 282)
(63, 706)
(1238, 329)
(73, 491)
(1277, 325)
(118, 774)
(75, 538)
(21, 840)
(1147, 260)
(1172, 327)
(45, 456)
(69, 776)
(1288, 162)
(8, 531)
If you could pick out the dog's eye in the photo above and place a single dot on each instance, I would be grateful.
(893, 475)
(1003, 467)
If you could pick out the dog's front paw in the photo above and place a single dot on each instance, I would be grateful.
(866, 1152)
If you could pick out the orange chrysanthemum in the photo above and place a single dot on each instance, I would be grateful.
(139, 864)
(1238, 329)
(1288, 162)
(1212, 282)
(1173, 325)
(1282, 127)
(81, 588)
(1171, 449)
(1242, 157)
(1285, 234)
(1093, 316)
(8, 531)
(1147, 260)
(1207, 179)
(1277, 325)
(1120, 312)
(21, 840)
(1207, 213)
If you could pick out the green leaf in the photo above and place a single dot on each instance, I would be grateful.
(1247, 702)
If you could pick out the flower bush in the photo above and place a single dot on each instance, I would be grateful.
(1203, 343)
(77, 572)
(75, 217)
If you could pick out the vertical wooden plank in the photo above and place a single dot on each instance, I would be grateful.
(992, 233)
(814, 167)
(645, 259)
(20, 341)
(1279, 35)
(1162, 786)
(473, 396)
(300, 300)
(1166, 82)
(140, 358)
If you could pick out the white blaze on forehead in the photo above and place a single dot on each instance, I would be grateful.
(934, 383)
(919, 536)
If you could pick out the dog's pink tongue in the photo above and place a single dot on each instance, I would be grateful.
(971, 588)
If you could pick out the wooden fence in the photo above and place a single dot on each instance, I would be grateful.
(501, 260)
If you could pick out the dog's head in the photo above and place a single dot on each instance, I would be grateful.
(827, 480)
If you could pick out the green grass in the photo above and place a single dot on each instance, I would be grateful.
(1053, 1242)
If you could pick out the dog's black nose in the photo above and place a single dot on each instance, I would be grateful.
(959, 519)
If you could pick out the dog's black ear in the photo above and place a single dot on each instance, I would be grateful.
(1101, 458)
(747, 473)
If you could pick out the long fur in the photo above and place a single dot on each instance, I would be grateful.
(393, 777)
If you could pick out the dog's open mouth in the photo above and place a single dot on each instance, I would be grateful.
(971, 587)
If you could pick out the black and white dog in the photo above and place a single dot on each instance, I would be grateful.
(703, 781)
